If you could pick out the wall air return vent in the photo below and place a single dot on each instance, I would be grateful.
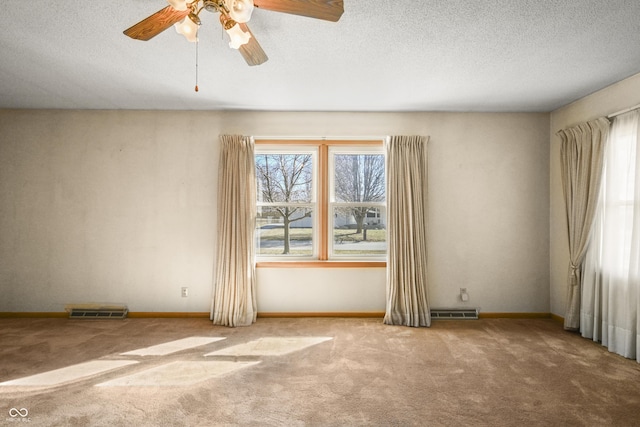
(96, 311)
(454, 313)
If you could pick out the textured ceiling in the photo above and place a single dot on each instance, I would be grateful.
(383, 55)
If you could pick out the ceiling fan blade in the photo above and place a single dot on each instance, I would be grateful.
(252, 51)
(329, 10)
(156, 23)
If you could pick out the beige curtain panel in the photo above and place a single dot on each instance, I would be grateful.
(407, 299)
(582, 156)
(234, 301)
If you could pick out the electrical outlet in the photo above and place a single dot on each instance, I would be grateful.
(464, 296)
(185, 292)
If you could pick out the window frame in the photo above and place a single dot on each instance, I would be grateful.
(312, 203)
(322, 250)
(332, 203)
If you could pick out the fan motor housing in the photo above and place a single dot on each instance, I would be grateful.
(213, 5)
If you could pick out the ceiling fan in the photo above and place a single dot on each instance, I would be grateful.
(234, 15)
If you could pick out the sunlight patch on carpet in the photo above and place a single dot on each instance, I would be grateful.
(270, 346)
(70, 373)
(173, 346)
(180, 373)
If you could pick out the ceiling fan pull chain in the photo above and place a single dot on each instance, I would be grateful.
(196, 61)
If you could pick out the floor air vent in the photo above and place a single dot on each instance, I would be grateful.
(455, 313)
(97, 312)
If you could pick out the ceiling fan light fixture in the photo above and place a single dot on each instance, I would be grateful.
(178, 4)
(237, 37)
(240, 10)
(188, 27)
(233, 15)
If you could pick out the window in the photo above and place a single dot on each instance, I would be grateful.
(287, 200)
(357, 202)
(616, 220)
(609, 303)
(321, 200)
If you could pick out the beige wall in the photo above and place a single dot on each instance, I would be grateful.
(119, 206)
(609, 100)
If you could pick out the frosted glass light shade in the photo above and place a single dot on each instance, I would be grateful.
(237, 36)
(188, 29)
(178, 4)
(240, 10)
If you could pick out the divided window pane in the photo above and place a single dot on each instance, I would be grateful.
(275, 236)
(357, 203)
(286, 189)
(368, 240)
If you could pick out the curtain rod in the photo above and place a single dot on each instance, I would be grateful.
(320, 138)
(626, 110)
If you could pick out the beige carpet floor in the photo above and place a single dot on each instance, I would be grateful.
(315, 372)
